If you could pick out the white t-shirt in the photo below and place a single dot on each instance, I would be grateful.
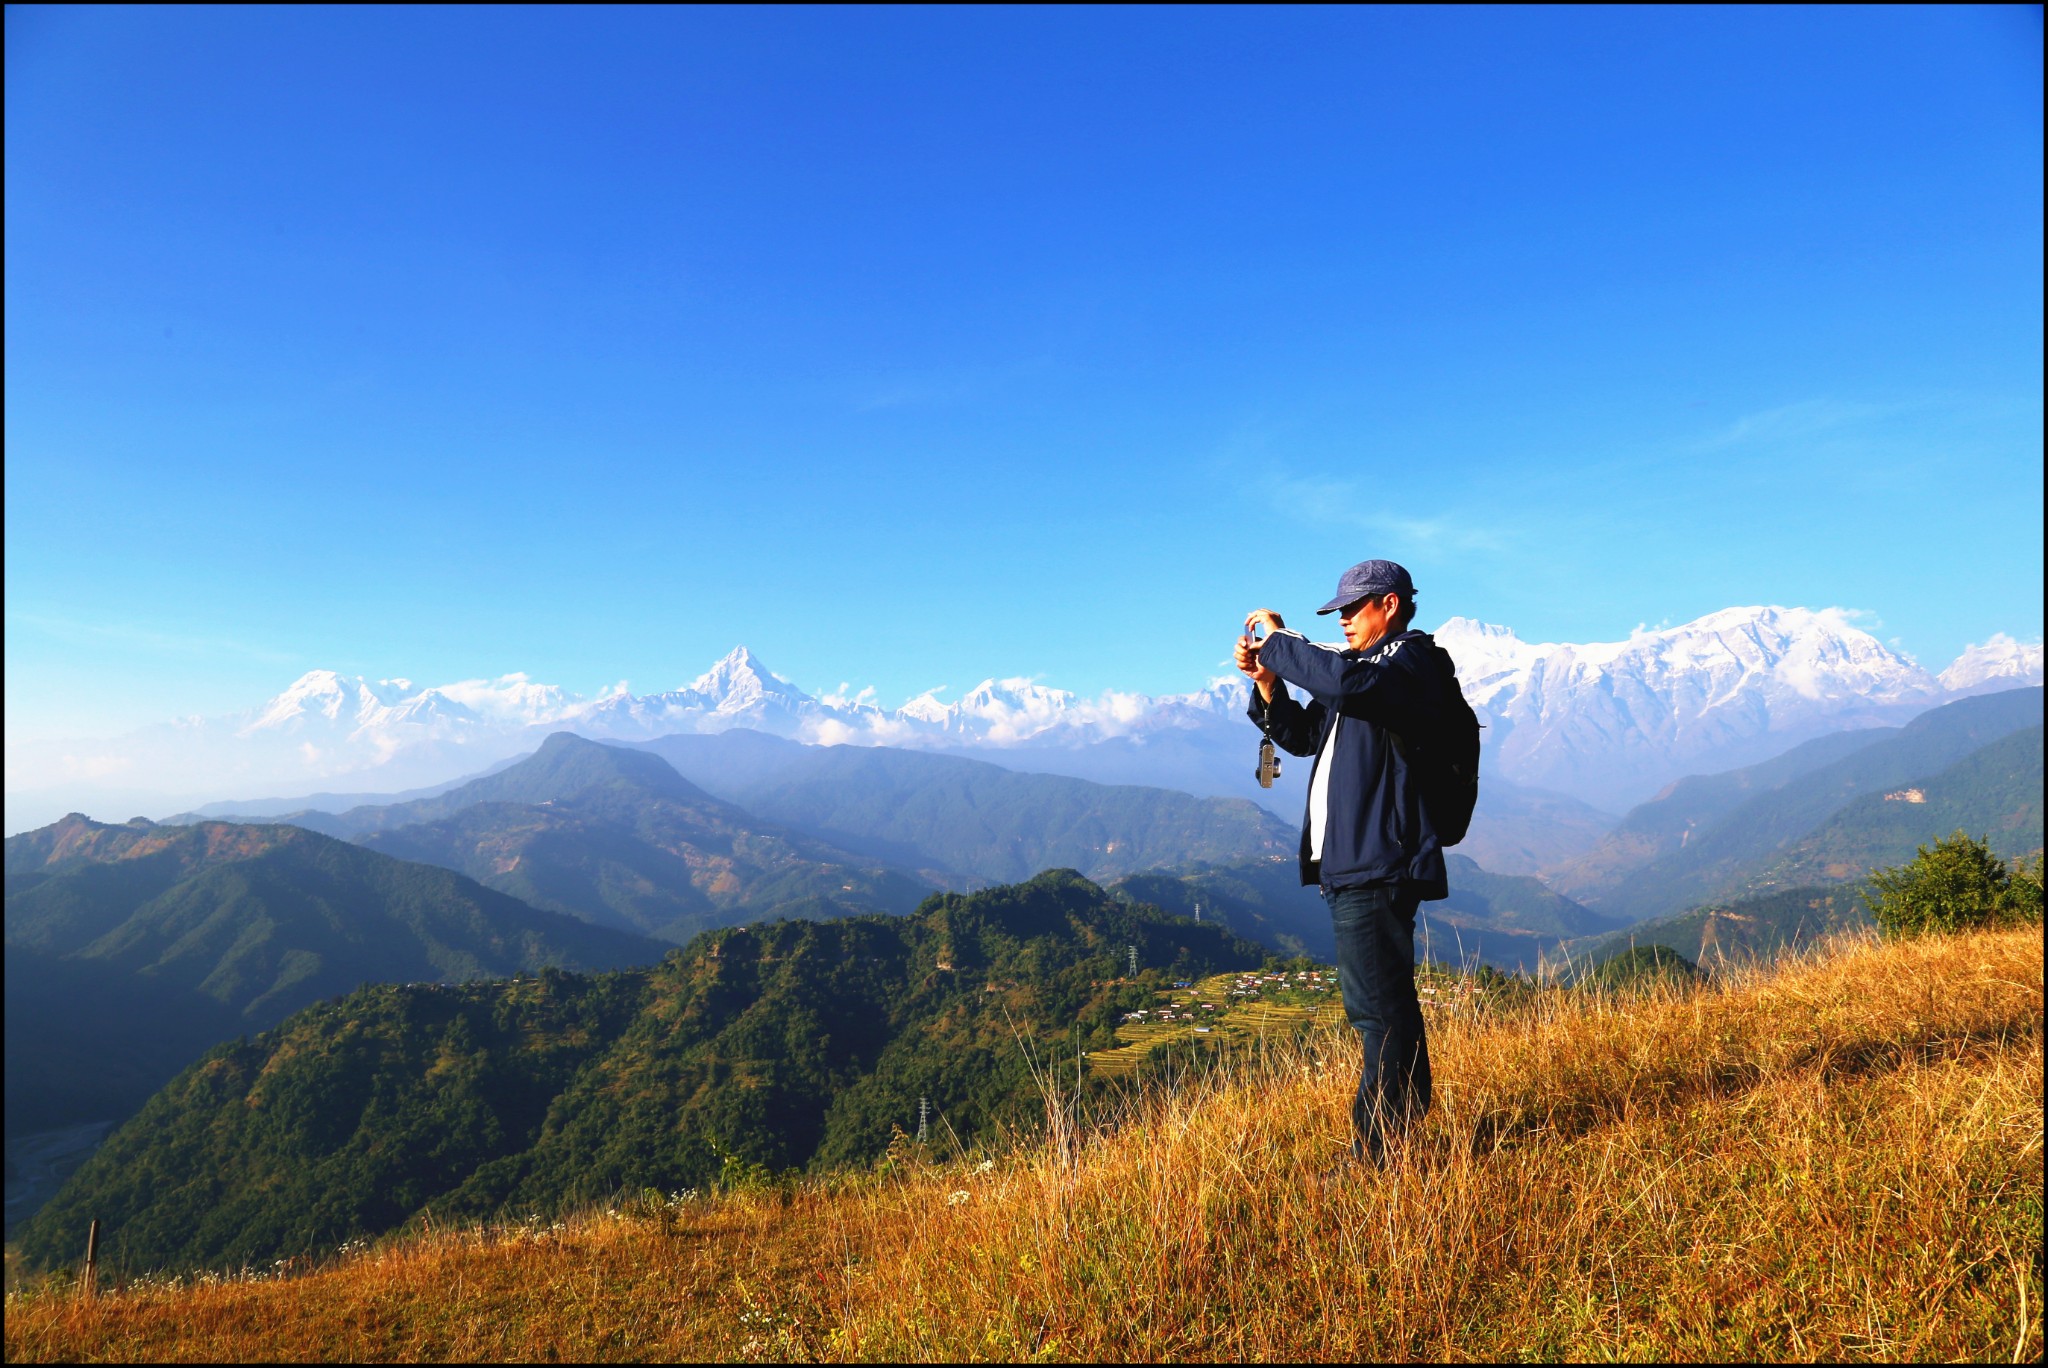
(1319, 792)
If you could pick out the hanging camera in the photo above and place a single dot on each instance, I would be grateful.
(1269, 763)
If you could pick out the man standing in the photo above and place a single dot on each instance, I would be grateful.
(1367, 840)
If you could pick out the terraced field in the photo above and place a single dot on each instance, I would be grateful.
(1276, 1010)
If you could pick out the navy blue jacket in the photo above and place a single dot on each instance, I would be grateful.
(1375, 829)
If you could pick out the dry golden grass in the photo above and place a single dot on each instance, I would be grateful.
(1839, 1160)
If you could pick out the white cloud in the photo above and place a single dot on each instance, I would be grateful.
(833, 732)
(511, 697)
(1799, 421)
(1333, 502)
(845, 697)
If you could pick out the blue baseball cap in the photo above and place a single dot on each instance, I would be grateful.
(1369, 579)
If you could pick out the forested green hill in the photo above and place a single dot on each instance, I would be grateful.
(786, 1044)
(167, 934)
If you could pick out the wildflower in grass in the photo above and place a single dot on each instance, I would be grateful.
(959, 1198)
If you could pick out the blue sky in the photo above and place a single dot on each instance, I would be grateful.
(911, 347)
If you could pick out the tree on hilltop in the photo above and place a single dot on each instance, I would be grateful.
(1957, 884)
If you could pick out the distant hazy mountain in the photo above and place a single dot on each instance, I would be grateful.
(155, 941)
(1993, 793)
(2000, 663)
(264, 919)
(529, 830)
(1718, 837)
(257, 809)
(1608, 723)
(1516, 830)
(617, 837)
(970, 819)
(1690, 808)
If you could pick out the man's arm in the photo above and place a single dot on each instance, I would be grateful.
(1293, 728)
(1352, 682)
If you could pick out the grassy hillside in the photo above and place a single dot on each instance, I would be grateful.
(1805, 1165)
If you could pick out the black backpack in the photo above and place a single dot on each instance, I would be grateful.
(1447, 761)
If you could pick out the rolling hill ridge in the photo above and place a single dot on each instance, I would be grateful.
(183, 931)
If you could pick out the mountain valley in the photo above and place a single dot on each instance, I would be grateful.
(1718, 836)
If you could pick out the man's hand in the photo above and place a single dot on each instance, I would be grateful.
(1248, 654)
(1264, 617)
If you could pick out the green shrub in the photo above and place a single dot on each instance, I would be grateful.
(1642, 966)
(1956, 884)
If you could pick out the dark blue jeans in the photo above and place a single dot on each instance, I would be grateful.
(1375, 928)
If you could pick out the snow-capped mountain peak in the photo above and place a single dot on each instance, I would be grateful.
(927, 708)
(1614, 720)
(1004, 697)
(741, 680)
(513, 699)
(995, 710)
(326, 697)
(1489, 658)
(2002, 662)
(1223, 696)
(1608, 722)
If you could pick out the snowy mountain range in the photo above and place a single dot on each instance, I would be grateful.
(1613, 722)
(1608, 723)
